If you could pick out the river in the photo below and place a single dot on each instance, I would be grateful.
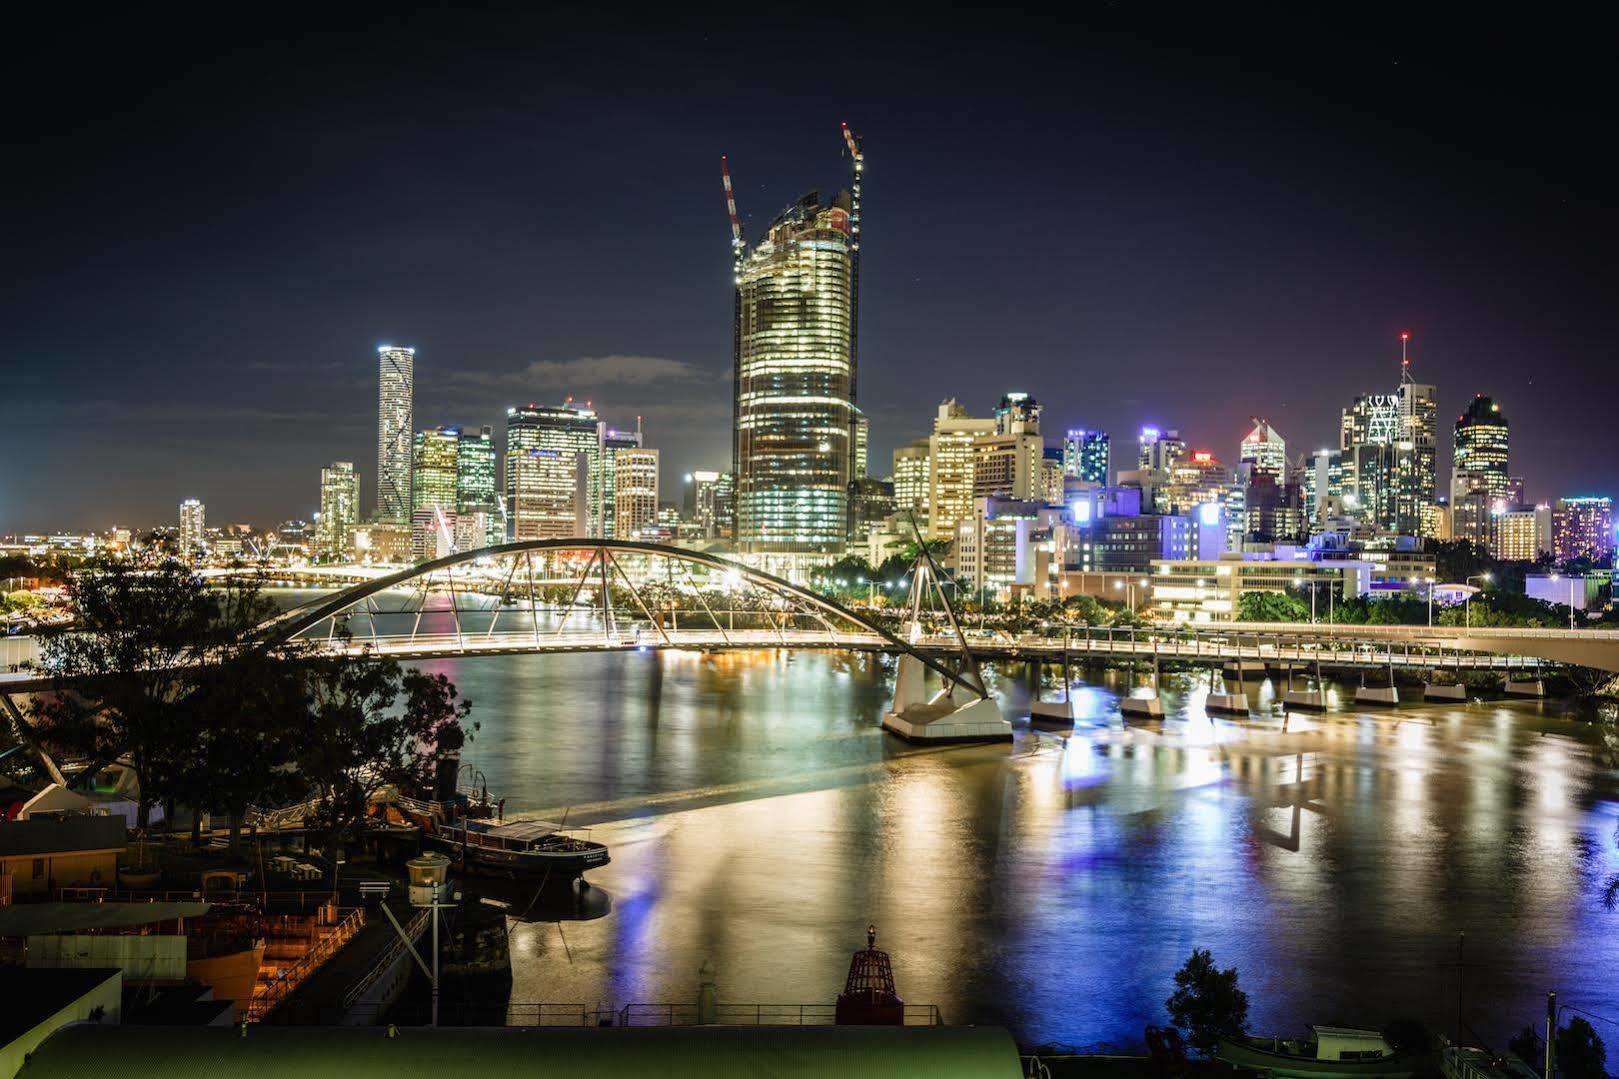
(759, 819)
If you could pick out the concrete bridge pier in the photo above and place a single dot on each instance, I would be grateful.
(1221, 700)
(1052, 713)
(1387, 695)
(1433, 690)
(1144, 706)
(1310, 700)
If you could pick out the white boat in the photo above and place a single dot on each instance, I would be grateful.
(1326, 1052)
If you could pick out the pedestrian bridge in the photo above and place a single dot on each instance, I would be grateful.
(578, 595)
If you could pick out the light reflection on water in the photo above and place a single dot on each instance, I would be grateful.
(759, 819)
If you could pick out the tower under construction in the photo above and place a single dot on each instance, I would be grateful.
(795, 342)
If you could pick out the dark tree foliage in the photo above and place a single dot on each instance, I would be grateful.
(1580, 1052)
(1207, 1004)
(365, 723)
(1527, 1047)
(143, 641)
(1272, 607)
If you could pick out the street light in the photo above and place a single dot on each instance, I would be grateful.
(1467, 600)
(1430, 601)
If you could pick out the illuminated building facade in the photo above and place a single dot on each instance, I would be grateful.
(1480, 460)
(700, 502)
(477, 501)
(635, 491)
(1582, 527)
(952, 462)
(193, 529)
(1520, 533)
(912, 477)
(794, 382)
(339, 511)
(435, 475)
(546, 501)
(395, 386)
(602, 482)
(1265, 449)
(573, 431)
(1085, 456)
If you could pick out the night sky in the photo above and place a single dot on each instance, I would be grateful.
(1139, 217)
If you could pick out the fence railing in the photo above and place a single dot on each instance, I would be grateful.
(524, 1013)
(288, 980)
(389, 956)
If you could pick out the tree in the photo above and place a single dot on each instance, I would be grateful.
(143, 640)
(1271, 607)
(363, 724)
(1580, 1052)
(1207, 1005)
(1526, 1046)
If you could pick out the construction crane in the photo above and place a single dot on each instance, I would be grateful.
(737, 242)
(738, 248)
(852, 141)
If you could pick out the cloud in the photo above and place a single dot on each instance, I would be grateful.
(585, 374)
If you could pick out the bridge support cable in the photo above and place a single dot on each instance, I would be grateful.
(584, 577)
(698, 592)
(533, 604)
(635, 594)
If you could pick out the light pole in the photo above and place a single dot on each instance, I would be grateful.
(1467, 600)
(1430, 601)
(1129, 588)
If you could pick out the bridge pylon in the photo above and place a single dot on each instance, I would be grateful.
(961, 710)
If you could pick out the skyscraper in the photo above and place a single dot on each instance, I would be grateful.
(574, 431)
(603, 481)
(1416, 470)
(192, 540)
(951, 467)
(635, 491)
(1388, 443)
(435, 473)
(1582, 527)
(545, 499)
(1480, 460)
(1266, 449)
(477, 505)
(911, 476)
(1085, 456)
(794, 382)
(339, 511)
(395, 417)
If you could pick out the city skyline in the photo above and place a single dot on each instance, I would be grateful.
(1154, 287)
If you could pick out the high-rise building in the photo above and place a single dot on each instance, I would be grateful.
(1388, 443)
(700, 502)
(1085, 456)
(794, 381)
(572, 430)
(912, 477)
(1158, 450)
(395, 417)
(862, 445)
(602, 483)
(477, 503)
(435, 475)
(1582, 527)
(951, 462)
(1017, 414)
(1266, 449)
(1520, 533)
(339, 511)
(1417, 467)
(546, 499)
(725, 505)
(1480, 459)
(192, 540)
(635, 491)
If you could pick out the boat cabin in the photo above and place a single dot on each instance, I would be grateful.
(1347, 1043)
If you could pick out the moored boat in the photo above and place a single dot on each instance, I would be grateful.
(1326, 1052)
(533, 850)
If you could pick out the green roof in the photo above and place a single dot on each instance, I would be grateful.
(272, 1052)
(28, 919)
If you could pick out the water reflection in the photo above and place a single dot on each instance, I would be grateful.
(758, 819)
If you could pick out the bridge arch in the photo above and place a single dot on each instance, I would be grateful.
(521, 579)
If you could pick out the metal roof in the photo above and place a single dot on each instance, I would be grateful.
(84, 1051)
(59, 835)
(28, 919)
